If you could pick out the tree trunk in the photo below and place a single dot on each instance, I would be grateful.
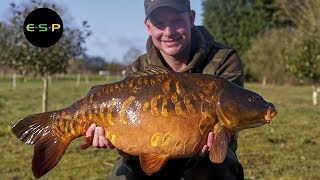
(315, 91)
(14, 81)
(45, 94)
(264, 81)
(50, 80)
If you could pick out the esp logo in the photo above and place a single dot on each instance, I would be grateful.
(43, 27)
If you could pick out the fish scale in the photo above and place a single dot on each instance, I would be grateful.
(154, 114)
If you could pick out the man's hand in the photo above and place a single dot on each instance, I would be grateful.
(99, 139)
(207, 147)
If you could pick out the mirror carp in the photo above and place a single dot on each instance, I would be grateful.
(154, 114)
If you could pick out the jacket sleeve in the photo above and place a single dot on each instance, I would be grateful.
(231, 68)
(226, 63)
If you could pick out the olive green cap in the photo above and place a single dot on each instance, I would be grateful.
(180, 5)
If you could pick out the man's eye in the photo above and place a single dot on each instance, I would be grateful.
(159, 25)
(178, 20)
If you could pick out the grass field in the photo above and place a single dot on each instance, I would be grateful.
(288, 149)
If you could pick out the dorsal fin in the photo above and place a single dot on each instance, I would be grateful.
(94, 89)
(150, 70)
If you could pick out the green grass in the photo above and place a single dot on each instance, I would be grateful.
(26, 100)
(287, 149)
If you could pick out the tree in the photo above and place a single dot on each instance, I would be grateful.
(303, 54)
(29, 60)
(5, 35)
(114, 67)
(95, 63)
(237, 22)
(265, 58)
(77, 66)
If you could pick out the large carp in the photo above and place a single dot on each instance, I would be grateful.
(155, 114)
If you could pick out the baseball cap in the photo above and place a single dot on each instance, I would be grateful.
(180, 5)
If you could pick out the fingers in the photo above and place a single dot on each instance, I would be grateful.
(210, 140)
(99, 139)
(103, 141)
(91, 130)
(206, 148)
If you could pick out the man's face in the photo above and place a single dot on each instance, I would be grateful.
(170, 30)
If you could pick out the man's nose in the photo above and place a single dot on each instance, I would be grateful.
(168, 31)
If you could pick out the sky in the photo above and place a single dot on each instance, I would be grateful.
(116, 26)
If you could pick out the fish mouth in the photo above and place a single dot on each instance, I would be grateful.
(271, 113)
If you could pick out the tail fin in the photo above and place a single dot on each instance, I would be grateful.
(48, 148)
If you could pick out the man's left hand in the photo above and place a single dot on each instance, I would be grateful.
(207, 147)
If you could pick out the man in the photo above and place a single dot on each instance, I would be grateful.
(175, 43)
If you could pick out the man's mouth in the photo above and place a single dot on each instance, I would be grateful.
(173, 40)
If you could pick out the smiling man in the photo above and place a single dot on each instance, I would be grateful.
(170, 32)
(177, 44)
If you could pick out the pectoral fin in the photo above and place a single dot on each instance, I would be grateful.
(151, 163)
(218, 150)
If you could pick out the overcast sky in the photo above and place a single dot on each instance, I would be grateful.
(116, 25)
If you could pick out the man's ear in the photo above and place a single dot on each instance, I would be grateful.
(148, 25)
(192, 16)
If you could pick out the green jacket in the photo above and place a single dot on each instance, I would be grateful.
(208, 56)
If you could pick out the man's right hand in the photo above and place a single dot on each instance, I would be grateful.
(99, 139)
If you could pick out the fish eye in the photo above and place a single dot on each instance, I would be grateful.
(250, 99)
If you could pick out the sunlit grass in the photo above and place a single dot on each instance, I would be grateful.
(289, 148)
(26, 100)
